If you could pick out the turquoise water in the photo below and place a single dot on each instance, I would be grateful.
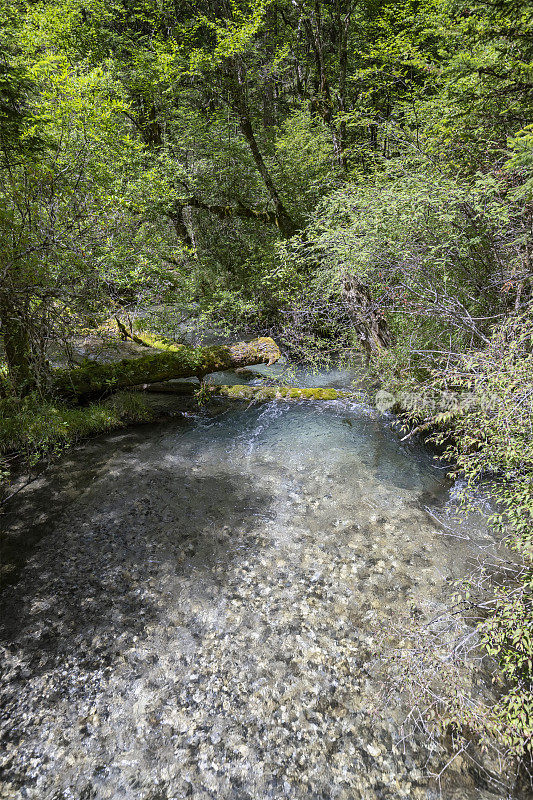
(211, 605)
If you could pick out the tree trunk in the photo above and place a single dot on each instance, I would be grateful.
(16, 344)
(368, 319)
(162, 365)
(285, 223)
(177, 217)
(343, 24)
(321, 100)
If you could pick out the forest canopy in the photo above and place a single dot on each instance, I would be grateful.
(246, 156)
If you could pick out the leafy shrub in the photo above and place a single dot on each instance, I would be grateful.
(488, 432)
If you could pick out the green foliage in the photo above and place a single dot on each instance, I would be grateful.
(486, 432)
(521, 161)
(507, 636)
(492, 432)
(493, 436)
(442, 258)
(65, 233)
(308, 169)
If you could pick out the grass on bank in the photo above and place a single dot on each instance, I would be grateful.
(33, 429)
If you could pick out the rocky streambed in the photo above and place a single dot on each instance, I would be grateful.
(206, 611)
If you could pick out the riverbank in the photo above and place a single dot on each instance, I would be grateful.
(35, 428)
(477, 407)
(33, 431)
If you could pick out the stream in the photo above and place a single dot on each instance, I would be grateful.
(205, 608)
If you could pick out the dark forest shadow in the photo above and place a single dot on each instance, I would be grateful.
(113, 546)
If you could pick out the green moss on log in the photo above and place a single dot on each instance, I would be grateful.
(262, 393)
(256, 393)
(94, 378)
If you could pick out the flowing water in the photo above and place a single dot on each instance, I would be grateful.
(204, 613)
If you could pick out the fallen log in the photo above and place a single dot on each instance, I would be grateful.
(262, 393)
(250, 393)
(161, 365)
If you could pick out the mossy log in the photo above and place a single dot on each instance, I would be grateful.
(162, 365)
(256, 393)
(262, 393)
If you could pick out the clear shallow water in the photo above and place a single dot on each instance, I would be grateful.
(203, 615)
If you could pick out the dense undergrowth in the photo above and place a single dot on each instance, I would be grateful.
(492, 435)
(479, 410)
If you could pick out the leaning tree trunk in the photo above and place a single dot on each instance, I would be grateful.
(368, 319)
(16, 344)
(158, 365)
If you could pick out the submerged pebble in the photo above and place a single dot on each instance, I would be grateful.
(219, 634)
